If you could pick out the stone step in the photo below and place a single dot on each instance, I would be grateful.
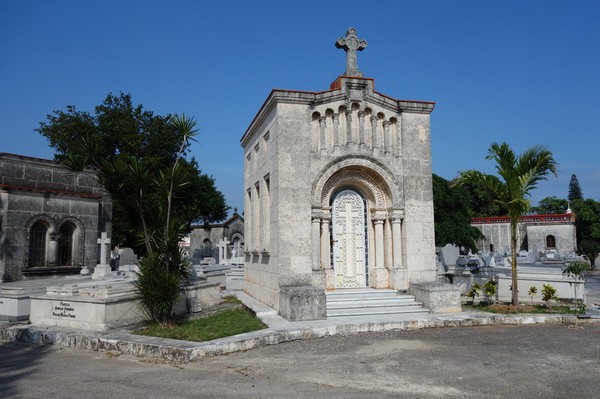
(361, 293)
(376, 311)
(373, 303)
(369, 301)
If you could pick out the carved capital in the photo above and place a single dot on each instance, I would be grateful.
(378, 218)
(316, 216)
(397, 216)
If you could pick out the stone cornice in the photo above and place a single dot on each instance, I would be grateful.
(341, 90)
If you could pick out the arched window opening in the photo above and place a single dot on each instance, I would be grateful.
(65, 244)
(38, 238)
(550, 241)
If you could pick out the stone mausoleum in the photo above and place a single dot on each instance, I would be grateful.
(537, 234)
(50, 219)
(338, 193)
(204, 239)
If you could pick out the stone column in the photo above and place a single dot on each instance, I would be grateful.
(386, 136)
(361, 128)
(399, 272)
(316, 240)
(349, 126)
(336, 123)
(52, 256)
(325, 239)
(374, 131)
(397, 217)
(379, 274)
(323, 131)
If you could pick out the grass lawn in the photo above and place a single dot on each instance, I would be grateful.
(223, 323)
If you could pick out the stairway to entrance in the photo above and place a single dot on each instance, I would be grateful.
(370, 302)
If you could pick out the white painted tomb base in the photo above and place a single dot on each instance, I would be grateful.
(102, 305)
(567, 288)
(14, 297)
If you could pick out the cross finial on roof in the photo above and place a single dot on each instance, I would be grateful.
(351, 44)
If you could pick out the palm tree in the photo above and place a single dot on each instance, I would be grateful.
(519, 175)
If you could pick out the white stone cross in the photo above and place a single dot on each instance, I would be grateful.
(351, 44)
(104, 242)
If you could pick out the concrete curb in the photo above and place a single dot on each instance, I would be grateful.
(123, 342)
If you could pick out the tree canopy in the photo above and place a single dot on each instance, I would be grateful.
(452, 216)
(587, 225)
(122, 135)
(483, 200)
(551, 206)
(574, 189)
(519, 175)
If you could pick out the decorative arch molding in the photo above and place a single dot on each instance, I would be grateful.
(43, 218)
(378, 183)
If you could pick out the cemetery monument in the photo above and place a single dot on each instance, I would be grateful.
(338, 193)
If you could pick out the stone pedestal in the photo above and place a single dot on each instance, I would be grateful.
(302, 303)
(399, 279)
(437, 297)
(101, 271)
(379, 278)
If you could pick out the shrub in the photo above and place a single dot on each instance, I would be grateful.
(532, 291)
(548, 293)
(576, 269)
(490, 288)
(473, 292)
(158, 288)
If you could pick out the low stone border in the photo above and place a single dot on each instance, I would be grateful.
(122, 342)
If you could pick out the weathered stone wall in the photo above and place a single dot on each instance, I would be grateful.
(33, 190)
(564, 236)
(230, 229)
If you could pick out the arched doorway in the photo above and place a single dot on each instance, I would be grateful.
(38, 241)
(349, 240)
(65, 244)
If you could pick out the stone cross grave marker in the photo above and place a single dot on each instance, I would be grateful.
(351, 44)
(222, 245)
(104, 242)
(102, 269)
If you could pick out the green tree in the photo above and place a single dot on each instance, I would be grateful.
(452, 216)
(519, 175)
(483, 200)
(551, 206)
(587, 226)
(149, 195)
(117, 135)
(574, 189)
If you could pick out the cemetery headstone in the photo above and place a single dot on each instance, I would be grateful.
(103, 268)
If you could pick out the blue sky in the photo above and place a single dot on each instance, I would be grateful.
(524, 72)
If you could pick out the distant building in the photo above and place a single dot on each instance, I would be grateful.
(50, 218)
(536, 233)
(204, 239)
